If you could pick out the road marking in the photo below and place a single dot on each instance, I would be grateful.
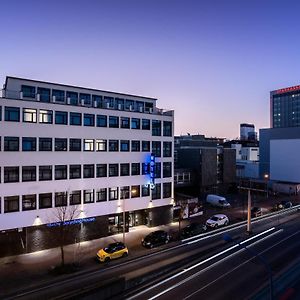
(192, 267)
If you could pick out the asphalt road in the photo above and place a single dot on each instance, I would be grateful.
(165, 260)
(236, 274)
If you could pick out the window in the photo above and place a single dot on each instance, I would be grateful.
(125, 122)
(75, 119)
(74, 144)
(28, 202)
(75, 197)
(145, 124)
(46, 116)
(28, 144)
(124, 192)
(11, 174)
(28, 91)
(61, 118)
(113, 193)
(101, 170)
(167, 149)
(135, 123)
(45, 144)
(124, 145)
(146, 146)
(148, 107)
(140, 106)
(113, 122)
(88, 145)
(129, 104)
(89, 120)
(28, 173)
(119, 103)
(113, 145)
(135, 191)
(44, 94)
(58, 96)
(75, 171)
(60, 172)
(167, 169)
(156, 128)
(12, 114)
(156, 149)
(113, 170)
(11, 143)
(45, 200)
(135, 146)
(146, 190)
(135, 169)
(157, 170)
(98, 101)
(88, 196)
(101, 121)
(109, 102)
(11, 204)
(61, 144)
(29, 115)
(45, 173)
(88, 171)
(167, 128)
(101, 195)
(167, 190)
(156, 192)
(101, 145)
(124, 169)
(72, 98)
(145, 168)
(60, 199)
(86, 99)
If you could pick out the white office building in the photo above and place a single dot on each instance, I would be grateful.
(100, 151)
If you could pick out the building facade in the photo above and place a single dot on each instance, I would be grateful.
(280, 144)
(100, 151)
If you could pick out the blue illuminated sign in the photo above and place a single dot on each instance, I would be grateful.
(72, 222)
(152, 171)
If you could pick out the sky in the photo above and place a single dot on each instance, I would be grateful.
(214, 62)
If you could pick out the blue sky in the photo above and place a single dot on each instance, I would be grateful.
(214, 62)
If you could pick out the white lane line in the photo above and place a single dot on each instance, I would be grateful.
(211, 266)
(198, 264)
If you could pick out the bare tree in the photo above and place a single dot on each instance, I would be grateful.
(63, 216)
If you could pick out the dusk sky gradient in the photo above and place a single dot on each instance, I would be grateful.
(214, 62)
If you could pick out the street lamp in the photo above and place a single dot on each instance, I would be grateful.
(131, 192)
(266, 177)
(228, 238)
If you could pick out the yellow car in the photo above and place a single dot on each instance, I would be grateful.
(112, 251)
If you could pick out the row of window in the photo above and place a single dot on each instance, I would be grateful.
(12, 114)
(73, 98)
(76, 171)
(12, 143)
(45, 200)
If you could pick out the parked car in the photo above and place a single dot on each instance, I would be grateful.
(256, 212)
(156, 238)
(193, 229)
(217, 201)
(112, 251)
(217, 220)
(283, 204)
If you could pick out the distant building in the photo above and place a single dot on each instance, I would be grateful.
(247, 158)
(210, 165)
(280, 144)
(247, 132)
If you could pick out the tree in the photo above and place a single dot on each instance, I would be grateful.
(63, 217)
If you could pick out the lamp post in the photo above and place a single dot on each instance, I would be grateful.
(228, 238)
(131, 192)
(266, 177)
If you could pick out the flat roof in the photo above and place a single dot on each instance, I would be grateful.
(74, 86)
(286, 90)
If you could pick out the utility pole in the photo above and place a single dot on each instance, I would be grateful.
(249, 213)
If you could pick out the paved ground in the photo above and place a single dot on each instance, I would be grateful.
(27, 269)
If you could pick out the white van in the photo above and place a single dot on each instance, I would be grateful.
(216, 200)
